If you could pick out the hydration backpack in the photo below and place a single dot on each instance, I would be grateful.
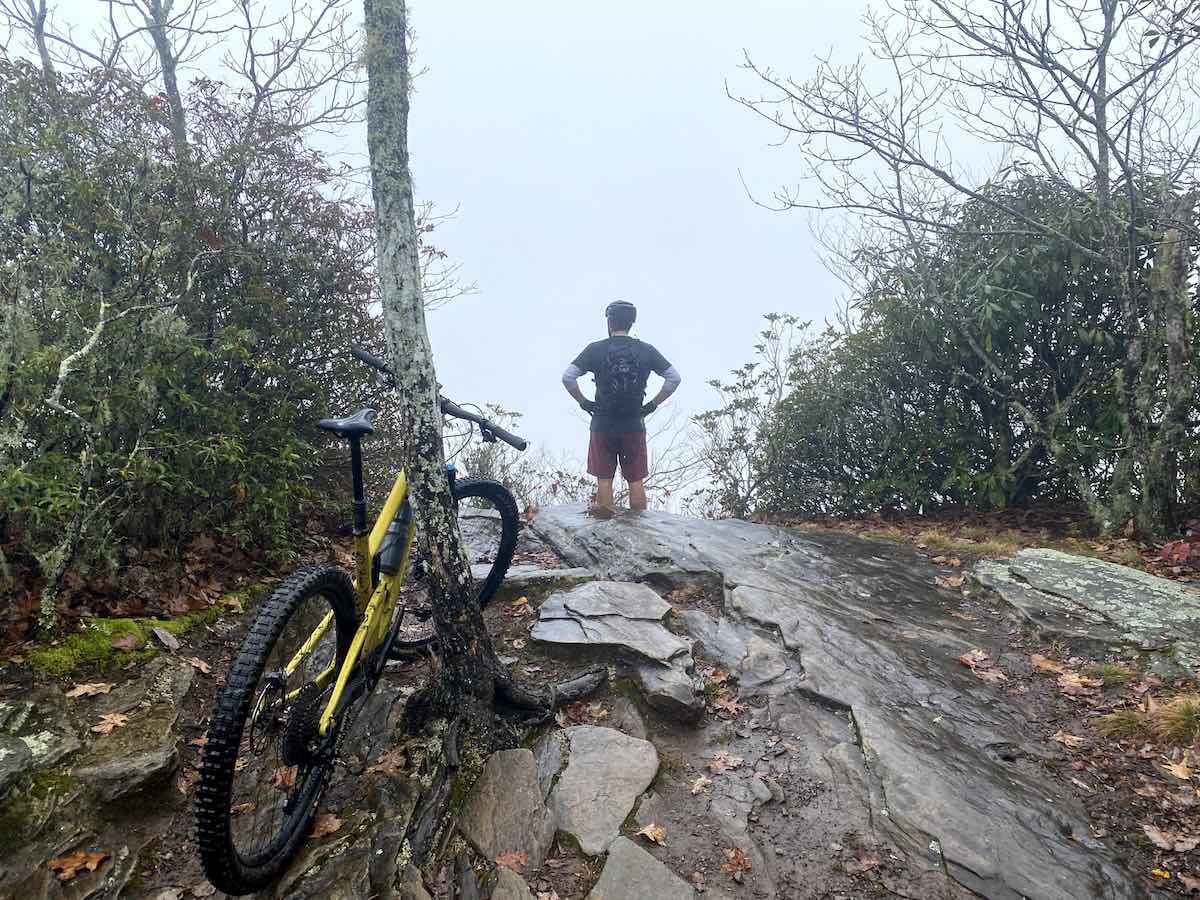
(620, 384)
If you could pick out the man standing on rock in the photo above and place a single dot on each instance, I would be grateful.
(621, 365)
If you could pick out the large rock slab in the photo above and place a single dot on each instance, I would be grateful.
(630, 873)
(145, 751)
(612, 616)
(15, 760)
(606, 772)
(510, 886)
(505, 812)
(1079, 597)
(866, 629)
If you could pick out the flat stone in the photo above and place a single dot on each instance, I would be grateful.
(510, 886)
(610, 616)
(630, 873)
(15, 760)
(39, 719)
(863, 627)
(650, 811)
(606, 772)
(1090, 599)
(505, 812)
(671, 690)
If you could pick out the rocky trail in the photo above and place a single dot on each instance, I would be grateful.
(789, 715)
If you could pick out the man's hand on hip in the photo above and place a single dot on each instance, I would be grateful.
(649, 408)
(588, 406)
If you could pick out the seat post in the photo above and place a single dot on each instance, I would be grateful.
(359, 504)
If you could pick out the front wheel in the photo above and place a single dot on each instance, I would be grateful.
(265, 766)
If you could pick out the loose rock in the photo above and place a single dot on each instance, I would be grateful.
(605, 774)
(630, 873)
(505, 813)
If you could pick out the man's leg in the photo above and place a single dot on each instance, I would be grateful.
(637, 494)
(635, 466)
(604, 492)
(602, 464)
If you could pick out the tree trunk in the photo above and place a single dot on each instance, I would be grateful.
(467, 676)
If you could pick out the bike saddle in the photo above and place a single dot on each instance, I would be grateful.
(356, 425)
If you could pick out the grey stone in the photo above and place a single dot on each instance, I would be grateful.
(505, 813)
(143, 752)
(39, 718)
(630, 873)
(510, 886)
(613, 616)
(624, 716)
(549, 755)
(606, 772)
(411, 886)
(671, 690)
(1102, 602)
(15, 760)
(865, 629)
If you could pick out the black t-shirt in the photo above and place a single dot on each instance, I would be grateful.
(592, 360)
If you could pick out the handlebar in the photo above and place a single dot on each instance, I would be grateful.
(449, 407)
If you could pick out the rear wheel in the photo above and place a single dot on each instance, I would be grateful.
(489, 524)
(265, 766)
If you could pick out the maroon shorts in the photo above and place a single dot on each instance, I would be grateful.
(606, 448)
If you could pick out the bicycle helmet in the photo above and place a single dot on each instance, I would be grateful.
(621, 312)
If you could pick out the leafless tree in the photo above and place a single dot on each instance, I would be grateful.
(1088, 93)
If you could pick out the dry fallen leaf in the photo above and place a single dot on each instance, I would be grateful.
(126, 642)
(981, 666)
(89, 690)
(1077, 685)
(966, 617)
(72, 864)
(326, 823)
(165, 638)
(701, 784)
(513, 860)
(519, 643)
(655, 833)
(726, 702)
(203, 889)
(950, 581)
(1067, 740)
(390, 762)
(199, 664)
(561, 718)
(284, 777)
(1191, 882)
(110, 721)
(1045, 664)
(736, 863)
(1180, 770)
(864, 863)
(722, 761)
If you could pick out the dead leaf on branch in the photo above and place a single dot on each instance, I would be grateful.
(110, 721)
(88, 690)
(67, 867)
(655, 833)
(513, 860)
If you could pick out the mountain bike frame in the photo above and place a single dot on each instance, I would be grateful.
(390, 537)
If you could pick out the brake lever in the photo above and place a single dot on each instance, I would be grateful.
(486, 435)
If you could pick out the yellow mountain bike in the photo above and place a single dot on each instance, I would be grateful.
(314, 654)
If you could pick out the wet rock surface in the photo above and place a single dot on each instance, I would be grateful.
(505, 811)
(606, 772)
(869, 720)
(1076, 597)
